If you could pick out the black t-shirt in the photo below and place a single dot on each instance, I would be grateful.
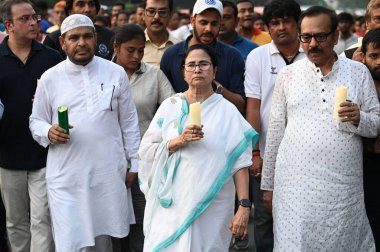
(103, 49)
(18, 82)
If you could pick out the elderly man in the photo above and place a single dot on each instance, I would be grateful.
(371, 158)
(206, 21)
(89, 8)
(313, 161)
(158, 38)
(22, 161)
(262, 67)
(86, 168)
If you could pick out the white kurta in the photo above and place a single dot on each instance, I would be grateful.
(314, 163)
(85, 177)
(190, 194)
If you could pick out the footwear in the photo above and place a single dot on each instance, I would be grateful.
(241, 244)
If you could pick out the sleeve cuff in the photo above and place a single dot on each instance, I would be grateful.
(134, 165)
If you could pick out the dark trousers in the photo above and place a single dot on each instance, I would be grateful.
(262, 221)
(371, 179)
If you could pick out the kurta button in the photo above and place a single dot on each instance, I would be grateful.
(324, 100)
(323, 90)
(322, 80)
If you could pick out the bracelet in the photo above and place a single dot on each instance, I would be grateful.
(256, 154)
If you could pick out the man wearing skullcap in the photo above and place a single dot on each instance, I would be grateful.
(87, 165)
(89, 8)
(22, 161)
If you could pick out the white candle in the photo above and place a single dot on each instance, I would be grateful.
(340, 96)
(195, 113)
(360, 41)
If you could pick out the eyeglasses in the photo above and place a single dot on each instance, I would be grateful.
(27, 18)
(161, 13)
(319, 37)
(203, 65)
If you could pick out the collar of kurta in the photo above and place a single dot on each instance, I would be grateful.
(317, 70)
(77, 68)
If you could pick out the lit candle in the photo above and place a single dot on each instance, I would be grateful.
(195, 113)
(340, 96)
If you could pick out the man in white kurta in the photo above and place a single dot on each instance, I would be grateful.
(86, 169)
(313, 162)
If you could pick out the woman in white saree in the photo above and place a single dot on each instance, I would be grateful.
(189, 173)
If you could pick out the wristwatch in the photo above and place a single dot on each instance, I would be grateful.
(245, 203)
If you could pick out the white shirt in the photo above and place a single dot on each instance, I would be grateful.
(261, 69)
(182, 32)
(343, 44)
(85, 178)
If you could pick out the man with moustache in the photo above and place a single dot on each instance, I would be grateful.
(22, 161)
(313, 161)
(89, 8)
(229, 77)
(245, 26)
(86, 167)
(261, 70)
(371, 158)
(157, 16)
(228, 34)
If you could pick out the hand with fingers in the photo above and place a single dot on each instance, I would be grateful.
(239, 223)
(349, 112)
(57, 135)
(257, 164)
(191, 133)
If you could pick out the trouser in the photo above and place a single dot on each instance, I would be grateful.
(27, 212)
(262, 221)
(134, 242)
(103, 243)
(371, 178)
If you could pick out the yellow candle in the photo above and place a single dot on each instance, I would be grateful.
(340, 96)
(195, 113)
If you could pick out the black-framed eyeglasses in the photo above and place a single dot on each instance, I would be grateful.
(27, 18)
(150, 12)
(203, 65)
(319, 37)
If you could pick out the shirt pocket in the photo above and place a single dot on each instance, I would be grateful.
(107, 96)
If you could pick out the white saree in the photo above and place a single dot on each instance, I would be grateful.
(190, 194)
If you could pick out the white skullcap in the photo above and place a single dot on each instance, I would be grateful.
(74, 21)
(201, 5)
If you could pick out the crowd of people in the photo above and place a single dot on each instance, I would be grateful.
(183, 125)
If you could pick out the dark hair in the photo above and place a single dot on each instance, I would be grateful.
(69, 6)
(170, 2)
(245, 1)
(281, 9)
(127, 32)
(232, 5)
(6, 8)
(360, 19)
(371, 37)
(318, 10)
(345, 16)
(140, 5)
(102, 19)
(204, 48)
(119, 4)
(122, 13)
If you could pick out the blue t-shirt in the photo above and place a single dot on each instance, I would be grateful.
(230, 72)
(244, 45)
